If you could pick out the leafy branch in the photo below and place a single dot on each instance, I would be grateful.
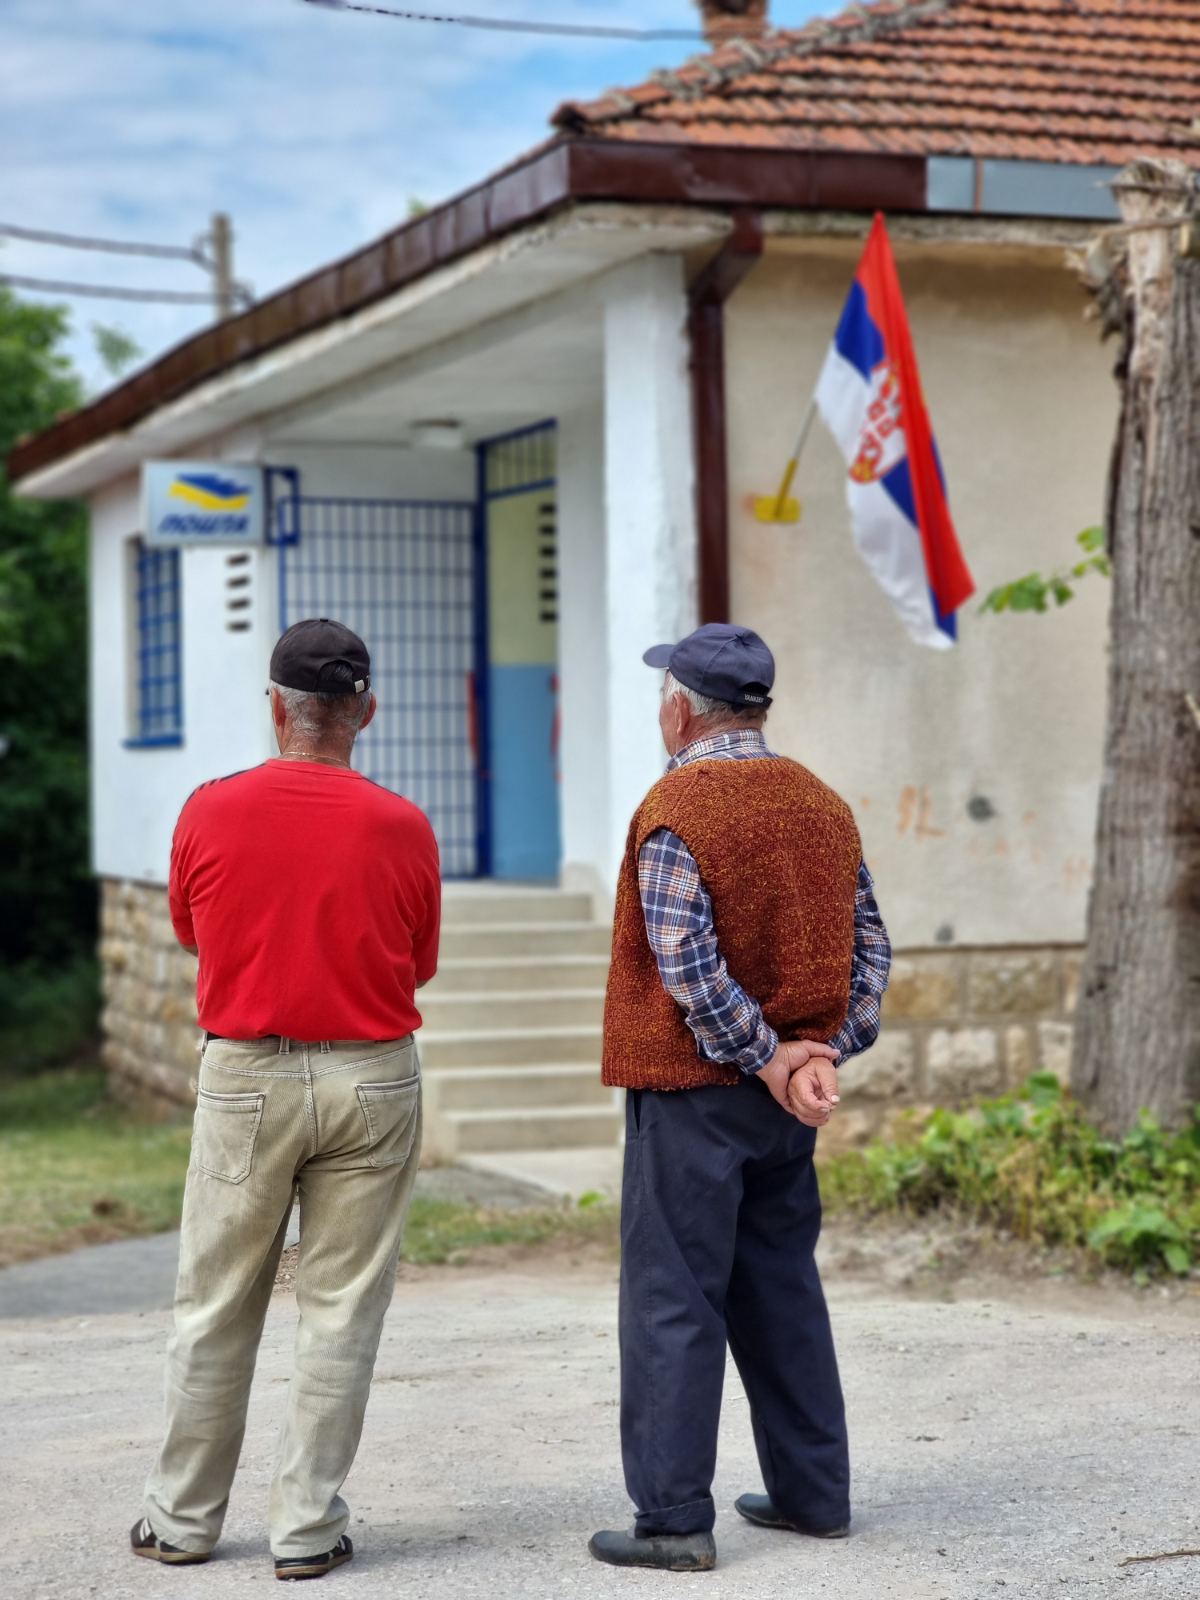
(1035, 591)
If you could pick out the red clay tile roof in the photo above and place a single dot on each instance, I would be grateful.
(1087, 81)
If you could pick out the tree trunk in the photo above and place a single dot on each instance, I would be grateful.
(1137, 1036)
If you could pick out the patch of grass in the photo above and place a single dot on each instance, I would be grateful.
(1033, 1165)
(443, 1231)
(76, 1169)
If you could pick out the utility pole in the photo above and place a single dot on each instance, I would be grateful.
(221, 240)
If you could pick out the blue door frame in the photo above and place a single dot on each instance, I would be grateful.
(517, 612)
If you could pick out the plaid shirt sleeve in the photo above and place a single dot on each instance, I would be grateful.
(728, 1025)
(868, 973)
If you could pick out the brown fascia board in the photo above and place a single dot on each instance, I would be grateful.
(567, 170)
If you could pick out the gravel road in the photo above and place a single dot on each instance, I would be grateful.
(1021, 1445)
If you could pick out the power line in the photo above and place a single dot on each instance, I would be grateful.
(175, 297)
(570, 30)
(76, 241)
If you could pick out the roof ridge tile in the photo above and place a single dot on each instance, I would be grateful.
(1012, 64)
(729, 61)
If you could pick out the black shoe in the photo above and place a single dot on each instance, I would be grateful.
(670, 1552)
(761, 1510)
(290, 1568)
(145, 1542)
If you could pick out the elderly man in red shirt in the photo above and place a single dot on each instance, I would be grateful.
(313, 898)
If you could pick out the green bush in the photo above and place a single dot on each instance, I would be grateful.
(47, 1016)
(1032, 1164)
(47, 895)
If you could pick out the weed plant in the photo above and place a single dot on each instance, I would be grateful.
(1031, 1164)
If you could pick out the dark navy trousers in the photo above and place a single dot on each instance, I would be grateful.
(719, 1220)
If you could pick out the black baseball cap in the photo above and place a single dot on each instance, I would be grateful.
(321, 657)
(722, 661)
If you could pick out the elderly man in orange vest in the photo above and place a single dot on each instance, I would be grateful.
(748, 958)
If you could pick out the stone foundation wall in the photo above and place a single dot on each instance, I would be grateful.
(151, 1041)
(957, 1022)
(960, 1023)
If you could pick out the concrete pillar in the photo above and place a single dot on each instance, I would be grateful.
(650, 525)
(582, 652)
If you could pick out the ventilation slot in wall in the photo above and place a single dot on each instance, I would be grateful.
(547, 562)
(239, 592)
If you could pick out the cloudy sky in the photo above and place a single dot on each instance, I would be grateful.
(313, 128)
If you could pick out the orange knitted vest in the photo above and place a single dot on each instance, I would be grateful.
(779, 855)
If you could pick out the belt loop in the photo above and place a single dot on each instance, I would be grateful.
(285, 1047)
(324, 1047)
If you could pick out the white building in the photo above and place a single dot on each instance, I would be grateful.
(513, 443)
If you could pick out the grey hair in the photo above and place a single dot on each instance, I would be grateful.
(711, 710)
(316, 716)
(701, 704)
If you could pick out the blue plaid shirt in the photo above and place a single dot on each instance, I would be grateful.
(727, 1022)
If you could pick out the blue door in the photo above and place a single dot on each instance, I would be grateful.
(520, 537)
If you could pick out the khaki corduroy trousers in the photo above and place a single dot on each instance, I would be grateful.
(339, 1124)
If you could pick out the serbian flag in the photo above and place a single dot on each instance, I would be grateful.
(869, 394)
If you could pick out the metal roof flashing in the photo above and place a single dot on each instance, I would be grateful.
(568, 172)
(228, 374)
(446, 315)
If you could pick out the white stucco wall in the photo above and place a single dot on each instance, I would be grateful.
(137, 793)
(378, 472)
(1023, 406)
(582, 651)
(649, 499)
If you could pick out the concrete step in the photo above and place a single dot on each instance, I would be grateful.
(480, 974)
(521, 939)
(543, 1088)
(513, 1008)
(502, 1047)
(570, 1127)
(466, 903)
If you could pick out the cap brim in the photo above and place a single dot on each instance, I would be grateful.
(659, 655)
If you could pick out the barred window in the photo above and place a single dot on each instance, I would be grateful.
(157, 669)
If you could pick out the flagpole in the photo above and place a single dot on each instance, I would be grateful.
(794, 459)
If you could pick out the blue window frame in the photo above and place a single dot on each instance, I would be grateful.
(156, 633)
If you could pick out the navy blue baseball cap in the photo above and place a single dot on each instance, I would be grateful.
(721, 661)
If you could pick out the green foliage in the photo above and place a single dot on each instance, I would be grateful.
(47, 898)
(47, 1013)
(115, 348)
(1142, 1236)
(1034, 591)
(1032, 1164)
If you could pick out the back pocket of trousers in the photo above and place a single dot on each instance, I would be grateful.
(225, 1132)
(390, 1112)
